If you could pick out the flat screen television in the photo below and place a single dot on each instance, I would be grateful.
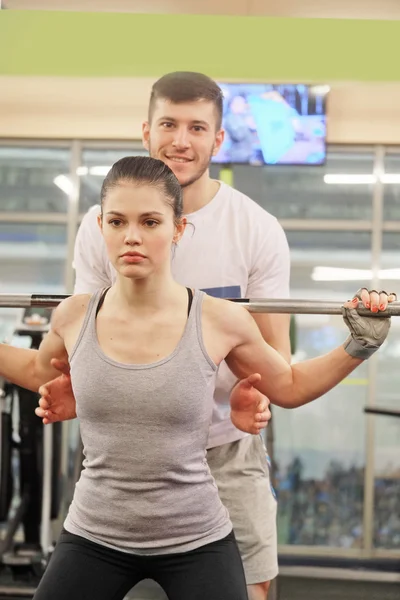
(267, 124)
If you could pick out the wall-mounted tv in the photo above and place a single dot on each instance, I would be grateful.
(269, 124)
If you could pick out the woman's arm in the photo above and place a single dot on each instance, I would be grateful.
(31, 368)
(285, 385)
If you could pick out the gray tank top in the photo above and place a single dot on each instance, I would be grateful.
(146, 487)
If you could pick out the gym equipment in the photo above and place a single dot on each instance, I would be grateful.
(256, 305)
(34, 460)
(293, 334)
(387, 412)
(6, 481)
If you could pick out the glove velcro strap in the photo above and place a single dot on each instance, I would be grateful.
(356, 350)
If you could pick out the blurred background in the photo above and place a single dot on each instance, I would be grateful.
(74, 92)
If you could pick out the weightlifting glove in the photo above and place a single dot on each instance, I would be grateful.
(367, 334)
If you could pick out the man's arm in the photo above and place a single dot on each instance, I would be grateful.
(92, 268)
(249, 409)
(57, 402)
(270, 278)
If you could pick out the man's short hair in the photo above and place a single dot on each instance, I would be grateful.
(187, 86)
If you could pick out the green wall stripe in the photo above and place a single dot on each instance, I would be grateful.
(253, 48)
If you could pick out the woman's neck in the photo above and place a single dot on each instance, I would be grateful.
(145, 295)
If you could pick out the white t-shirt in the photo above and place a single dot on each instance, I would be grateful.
(235, 249)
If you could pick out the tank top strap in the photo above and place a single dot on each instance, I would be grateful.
(190, 300)
(89, 322)
(194, 328)
(194, 298)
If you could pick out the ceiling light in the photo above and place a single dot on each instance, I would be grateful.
(82, 171)
(340, 274)
(360, 178)
(343, 274)
(390, 178)
(349, 179)
(64, 183)
(389, 274)
(100, 171)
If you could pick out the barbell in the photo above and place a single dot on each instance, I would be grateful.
(386, 412)
(255, 305)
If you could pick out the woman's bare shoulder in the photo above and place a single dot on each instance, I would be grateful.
(228, 315)
(70, 310)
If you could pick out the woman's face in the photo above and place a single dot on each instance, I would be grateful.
(139, 229)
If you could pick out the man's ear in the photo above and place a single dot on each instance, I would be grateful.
(219, 140)
(146, 134)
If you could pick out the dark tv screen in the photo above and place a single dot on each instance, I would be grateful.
(269, 124)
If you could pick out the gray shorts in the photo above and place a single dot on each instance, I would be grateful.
(241, 472)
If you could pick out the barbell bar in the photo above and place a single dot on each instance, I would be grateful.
(386, 412)
(254, 305)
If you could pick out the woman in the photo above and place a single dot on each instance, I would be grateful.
(144, 355)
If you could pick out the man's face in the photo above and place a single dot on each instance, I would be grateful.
(184, 136)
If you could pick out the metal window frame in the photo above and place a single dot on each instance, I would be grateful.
(73, 213)
(111, 145)
(376, 254)
(23, 217)
(325, 225)
(34, 143)
(336, 552)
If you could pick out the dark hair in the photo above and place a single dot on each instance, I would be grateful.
(145, 170)
(187, 86)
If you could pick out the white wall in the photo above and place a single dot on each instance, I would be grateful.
(114, 108)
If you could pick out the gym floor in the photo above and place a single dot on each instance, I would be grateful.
(301, 588)
(146, 590)
(290, 588)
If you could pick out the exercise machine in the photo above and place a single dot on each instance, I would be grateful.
(30, 492)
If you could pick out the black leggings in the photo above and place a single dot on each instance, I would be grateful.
(82, 570)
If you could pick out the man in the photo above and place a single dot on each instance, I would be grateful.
(233, 248)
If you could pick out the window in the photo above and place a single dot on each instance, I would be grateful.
(33, 179)
(312, 192)
(387, 429)
(391, 209)
(32, 260)
(95, 165)
(320, 447)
